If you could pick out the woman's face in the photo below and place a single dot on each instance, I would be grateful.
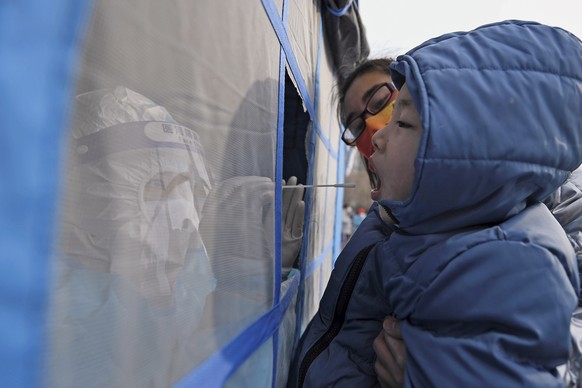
(357, 96)
(395, 150)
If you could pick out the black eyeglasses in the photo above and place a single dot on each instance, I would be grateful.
(378, 100)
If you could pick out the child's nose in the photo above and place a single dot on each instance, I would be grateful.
(376, 140)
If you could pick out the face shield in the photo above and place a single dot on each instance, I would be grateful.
(133, 204)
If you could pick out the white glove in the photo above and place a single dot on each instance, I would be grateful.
(237, 228)
(237, 220)
(293, 219)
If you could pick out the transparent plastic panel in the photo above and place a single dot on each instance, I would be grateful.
(321, 229)
(165, 248)
(287, 332)
(303, 23)
(257, 370)
(164, 251)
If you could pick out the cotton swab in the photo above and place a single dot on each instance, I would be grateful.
(337, 185)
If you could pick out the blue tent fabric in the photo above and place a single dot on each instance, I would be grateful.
(39, 43)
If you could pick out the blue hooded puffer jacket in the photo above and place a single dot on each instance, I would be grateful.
(480, 274)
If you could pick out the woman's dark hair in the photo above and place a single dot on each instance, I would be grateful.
(367, 66)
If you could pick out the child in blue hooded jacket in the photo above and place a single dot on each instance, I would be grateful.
(480, 275)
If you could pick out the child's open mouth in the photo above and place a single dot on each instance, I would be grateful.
(376, 183)
(375, 193)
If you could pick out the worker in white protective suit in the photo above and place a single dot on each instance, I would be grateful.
(134, 290)
(140, 190)
(134, 274)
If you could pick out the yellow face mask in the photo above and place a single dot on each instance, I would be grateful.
(373, 125)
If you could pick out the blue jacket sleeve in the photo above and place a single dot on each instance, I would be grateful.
(497, 315)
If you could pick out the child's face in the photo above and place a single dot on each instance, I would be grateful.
(395, 149)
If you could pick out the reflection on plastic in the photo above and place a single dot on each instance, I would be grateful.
(134, 275)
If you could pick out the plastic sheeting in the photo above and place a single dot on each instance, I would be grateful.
(168, 242)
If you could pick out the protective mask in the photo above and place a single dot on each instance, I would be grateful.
(193, 285)
(373, 125)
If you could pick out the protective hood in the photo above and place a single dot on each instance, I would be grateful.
(137, 185)
(501, 110)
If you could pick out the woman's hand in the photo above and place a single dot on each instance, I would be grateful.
(390, 355)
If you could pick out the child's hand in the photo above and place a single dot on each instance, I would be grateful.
(390, 355)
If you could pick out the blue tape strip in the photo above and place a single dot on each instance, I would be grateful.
(216, 370)
(324, 139)
(328, 159)
(341, 173)
(279, 176)
(341, 11)
(278, 195)
(305, 244)
(317, 262)
(281, 33)
(39, 60)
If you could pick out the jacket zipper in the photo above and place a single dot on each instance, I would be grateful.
(338, 316)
